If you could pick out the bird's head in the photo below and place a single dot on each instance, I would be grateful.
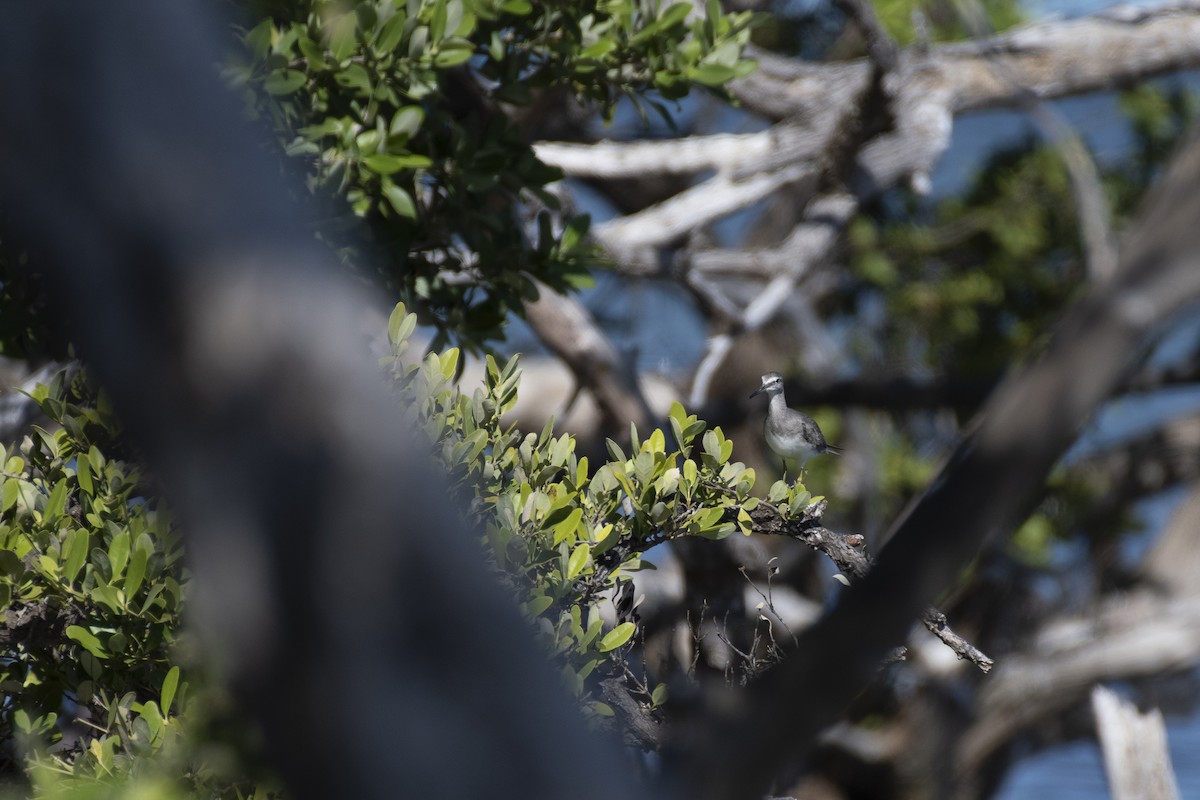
(772, 384)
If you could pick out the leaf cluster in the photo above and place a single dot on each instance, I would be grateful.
(566, 534)
(399, 112)
(92, 585)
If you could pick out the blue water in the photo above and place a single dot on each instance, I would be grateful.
(1075, 771)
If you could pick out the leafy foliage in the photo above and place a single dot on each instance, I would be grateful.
(398, 112)
(567, 535)
(91, 574)
(91, 582)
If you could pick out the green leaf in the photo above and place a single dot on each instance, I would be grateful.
(397, 318)
(709, 518)
(341, 36)
(355, 76)
(407, 121)
(137, 571)
(118, 553)
(452, 53)
(601, 709)
(56, 503)
(169, 686)
(712, 74)
(391, 34)
(77, 545)
(575, 232)
(577, 561)
(799, 503)
(617, 637)
(400, 200)
(8, 493)
(537, 605)
(281, 83)
(388, 163)
(96, 459)
(312, 51)
(83, 473)
(106, 596)
(87, 640)
(744, 522)
(674, 14)
(449, 363)
(566, 529)
(258, 38)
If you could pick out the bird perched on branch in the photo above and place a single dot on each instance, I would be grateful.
(789, 433)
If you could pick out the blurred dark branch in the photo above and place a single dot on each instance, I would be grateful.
(881, 47)
(320, 538)
(1134, 468)
(986, 488)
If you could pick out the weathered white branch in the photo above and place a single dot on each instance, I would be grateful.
(566, 327)
(1134, 744)
(684, 156)
(632, 240)
(1052, 59)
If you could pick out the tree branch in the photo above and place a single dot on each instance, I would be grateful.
(568, 330)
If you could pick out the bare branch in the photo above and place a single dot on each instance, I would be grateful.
(812, 239)
(670, 157)
(1053, 59)
(846, 551)
(935, 622)
(633, 239)
(566, 328)
(1136, 759)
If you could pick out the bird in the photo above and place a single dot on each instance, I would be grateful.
(790, 433)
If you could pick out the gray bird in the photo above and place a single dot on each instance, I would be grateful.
(788, 432)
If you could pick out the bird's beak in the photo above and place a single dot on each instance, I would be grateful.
(756, 392)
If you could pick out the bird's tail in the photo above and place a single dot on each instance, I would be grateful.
(837, 451)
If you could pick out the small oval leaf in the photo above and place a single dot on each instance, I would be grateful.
(617, 637)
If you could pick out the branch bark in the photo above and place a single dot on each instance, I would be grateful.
(565, 326)
(1136, 759)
